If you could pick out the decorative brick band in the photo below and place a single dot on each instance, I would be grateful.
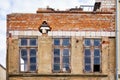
(65, 33)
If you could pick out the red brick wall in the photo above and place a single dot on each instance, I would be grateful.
(62, 21)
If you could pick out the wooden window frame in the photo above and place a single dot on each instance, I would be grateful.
(61, 48)
(28, 47)
(92, 48)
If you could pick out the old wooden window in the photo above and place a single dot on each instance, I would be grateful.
(92, 55)
(28, 51)
(61, 55)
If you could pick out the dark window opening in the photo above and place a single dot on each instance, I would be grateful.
(96, 68)
(97, 6)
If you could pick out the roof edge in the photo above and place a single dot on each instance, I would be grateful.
(3, 67)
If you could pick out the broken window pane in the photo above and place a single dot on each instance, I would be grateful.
(65, 42)
(23, 42)
(96, 68)
(33, 42)
(56, 41)
(23, 62)
(23, 67)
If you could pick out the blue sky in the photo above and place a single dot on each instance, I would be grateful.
(29, 6)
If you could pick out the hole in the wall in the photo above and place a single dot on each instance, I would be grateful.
(77, 41)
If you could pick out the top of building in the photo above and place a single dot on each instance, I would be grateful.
(100, 6)
(99, 18)
(51, 10)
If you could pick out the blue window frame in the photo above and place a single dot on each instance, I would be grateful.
(61, 62)
(92, 55)
(28, 52)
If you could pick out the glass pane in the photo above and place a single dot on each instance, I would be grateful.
(23, 60)
(23, 42)
(56, 67)
(66, 42)
(33, 60)
(56, 52)
(33, 42)
(66, 67)
(87, 68)
(87, 42)
(96, 42)
(32, 67)
(87, 52)
(56, 59)
(96, 60)
(65, 59)
(23, 67)
(87, 60)
(24, 52)
(96, 52)
(66, 52)
(56, 41)
(32, 52)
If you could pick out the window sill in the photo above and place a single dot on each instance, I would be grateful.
(59, 75)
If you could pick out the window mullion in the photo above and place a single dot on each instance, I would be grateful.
(61, 65)
(28, 67)
(61, 56)
(92, 60)
(92, 54)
